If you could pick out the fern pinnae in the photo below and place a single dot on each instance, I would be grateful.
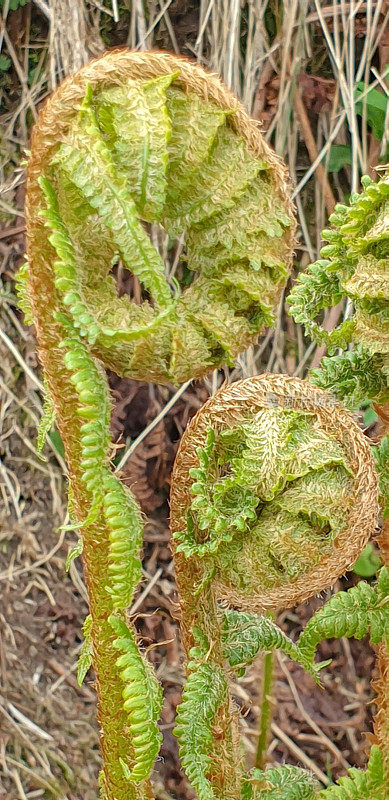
(124, 521)
(142, 697)
(73, 553)
(65, 268)
(85, 658)
(107, 194)
(381, 455)
(67, 281)
(280, 783)
(353, 377)
(94, 410)
(245, 636)
(362, 609)
(192, 135)
(215, 184)
(46, 422)
(135, 116)
(21, 290)
(369, 785)
(204, 692)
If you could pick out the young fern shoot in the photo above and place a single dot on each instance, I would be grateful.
(274, 495)
(355, 266)
(137, 140)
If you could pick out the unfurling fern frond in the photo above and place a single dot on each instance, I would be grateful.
(369, 785)
(353, 265)
(124, 520)
(86, 653)
(290, 453)
(354, 377)
(174, 148)
(362, 609)
(142, 697)
(268, 490)
(280, 783)
(204, 692)
(136, 140)
(246, 635)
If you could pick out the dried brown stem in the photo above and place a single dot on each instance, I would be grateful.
(313, 152)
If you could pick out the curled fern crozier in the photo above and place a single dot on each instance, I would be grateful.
(135, 149)
(132, 142)
(274, 490)
(274, 495)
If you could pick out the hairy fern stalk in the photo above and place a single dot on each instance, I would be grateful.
(274, 494)
(132, 142)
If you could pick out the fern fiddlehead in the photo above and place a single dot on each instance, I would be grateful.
(132, 142)
(296, 462)
(155, 140)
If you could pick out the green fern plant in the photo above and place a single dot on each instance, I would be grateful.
(264, 489)
(273, 495)
(362, 610)
(138, 144)
(292, 783)
(356, 266)
(353, 265)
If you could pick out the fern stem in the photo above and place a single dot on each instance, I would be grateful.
(112, 718)
(266, 710)
(381, 720)
(201, 612)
